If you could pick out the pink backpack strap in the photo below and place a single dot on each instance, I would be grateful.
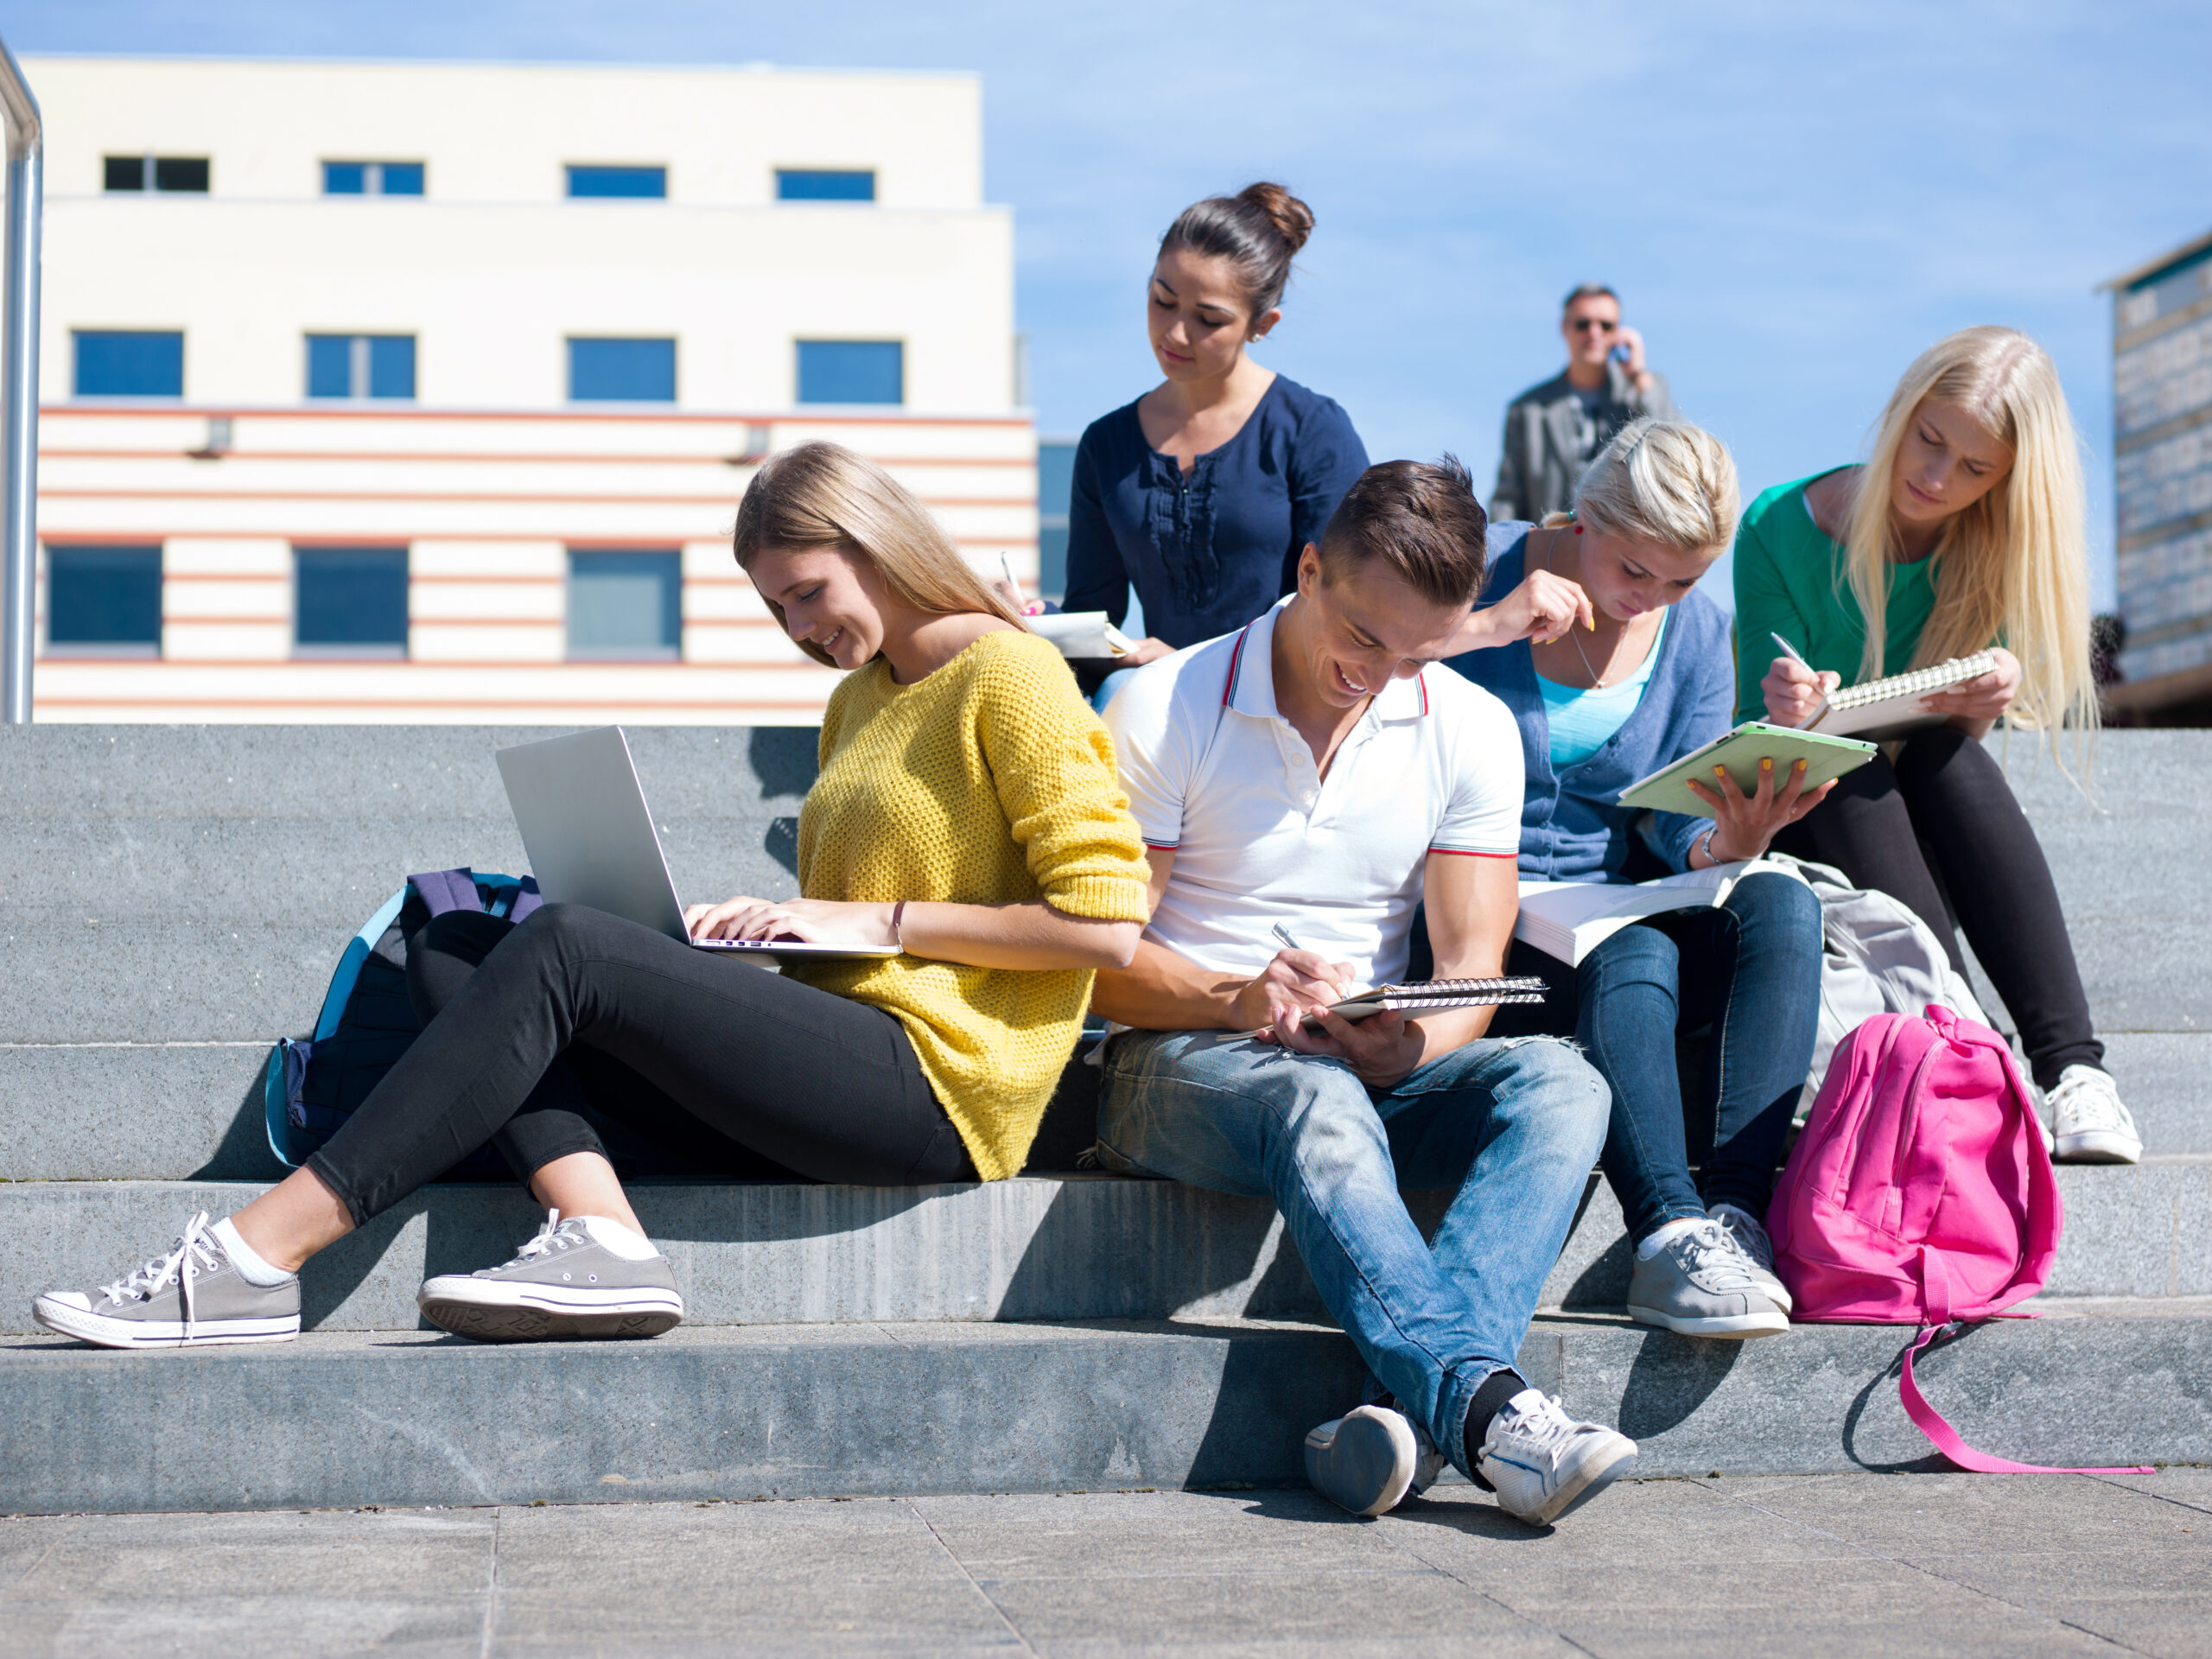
(1930, 1421)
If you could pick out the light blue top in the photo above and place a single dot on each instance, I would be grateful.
(1583, 719)
(1572, 825)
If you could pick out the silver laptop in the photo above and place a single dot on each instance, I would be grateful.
(591, 841)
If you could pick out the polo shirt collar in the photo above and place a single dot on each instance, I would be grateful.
(1252, 683)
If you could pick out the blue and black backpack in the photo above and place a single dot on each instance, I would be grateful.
(313, 1084)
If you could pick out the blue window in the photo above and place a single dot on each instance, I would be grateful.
(180, 175)
(817, 184)
(1055, 489)
(852, 372)
(129, 363)
(103, 602)
(622, 371)
(360, 365)
(349, 601)
(626, 606)
(372, 178)
(618, 180)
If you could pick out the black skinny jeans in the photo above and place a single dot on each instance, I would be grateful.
(574, 1013)
(1948, 793)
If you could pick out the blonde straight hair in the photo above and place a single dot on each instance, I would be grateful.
(2014, 564)
(1662, 483)
(823, 495)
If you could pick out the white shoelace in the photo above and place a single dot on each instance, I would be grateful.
(2094, 1102)
(197, 1251)
(554, 1235)
(1709, 1246)
(1748, 1235)
(1545, 1429)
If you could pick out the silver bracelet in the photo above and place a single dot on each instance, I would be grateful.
(1706, 841)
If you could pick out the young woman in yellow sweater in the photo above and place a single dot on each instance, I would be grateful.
(967, 812)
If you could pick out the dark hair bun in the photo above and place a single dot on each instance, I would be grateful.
(1259, 230)
(1293, 218)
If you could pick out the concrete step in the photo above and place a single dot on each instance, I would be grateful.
(193, 1110)
(1071, 1247)
(196, 883)
(334, 1420)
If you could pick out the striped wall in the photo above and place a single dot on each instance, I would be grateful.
(489, 505)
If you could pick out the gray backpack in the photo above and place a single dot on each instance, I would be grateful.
(1876, 957)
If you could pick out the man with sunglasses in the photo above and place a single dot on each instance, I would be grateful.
(1553, 430)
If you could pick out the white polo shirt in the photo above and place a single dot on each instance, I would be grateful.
(1216, 773)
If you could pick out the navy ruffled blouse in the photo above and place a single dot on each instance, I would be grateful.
(1207, 553)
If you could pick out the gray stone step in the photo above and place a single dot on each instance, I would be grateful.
(1072, 1247)
(175, 839)
(198, 883)
(335, 1420)
(179, 1112)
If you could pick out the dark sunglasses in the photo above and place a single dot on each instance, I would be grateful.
(1584, 325)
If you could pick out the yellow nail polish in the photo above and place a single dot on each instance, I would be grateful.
(1800, 766)
(1768, 765)
(1721, 772)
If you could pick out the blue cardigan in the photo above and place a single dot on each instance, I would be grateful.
(1572, 826)
(1209, 553)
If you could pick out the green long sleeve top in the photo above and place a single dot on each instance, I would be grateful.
(1789, 581)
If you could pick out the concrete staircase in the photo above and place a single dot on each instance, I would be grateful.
(172, 899)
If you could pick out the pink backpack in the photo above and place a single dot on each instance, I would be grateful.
(1919, 1193)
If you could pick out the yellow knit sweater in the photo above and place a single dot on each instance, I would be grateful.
(989, 782)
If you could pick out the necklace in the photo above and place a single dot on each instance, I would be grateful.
(1597, 680)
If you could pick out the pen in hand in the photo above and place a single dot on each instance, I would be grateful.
(1798, 657)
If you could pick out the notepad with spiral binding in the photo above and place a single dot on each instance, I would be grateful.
(1427, 995)
(1884, 708)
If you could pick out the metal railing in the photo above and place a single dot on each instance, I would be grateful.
(19, 387)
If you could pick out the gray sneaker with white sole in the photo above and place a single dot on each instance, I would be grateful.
(193, 1297)
(1699, 1283)
(1750, 1236)
(564, 1282)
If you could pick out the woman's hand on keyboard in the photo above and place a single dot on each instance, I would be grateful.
(817, 921)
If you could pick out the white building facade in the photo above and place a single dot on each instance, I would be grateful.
(389, 392)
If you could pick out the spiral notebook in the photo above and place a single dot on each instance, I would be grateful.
(1887, 707)
(1084, 636)
(1427, 996)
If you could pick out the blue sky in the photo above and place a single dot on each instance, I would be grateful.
(1792, 201)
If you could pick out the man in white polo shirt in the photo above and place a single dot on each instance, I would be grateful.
(1314, 776)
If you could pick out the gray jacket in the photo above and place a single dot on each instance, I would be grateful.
(1538, 464)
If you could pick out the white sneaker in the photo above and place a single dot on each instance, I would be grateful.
(1749, 1236)
(1544, 1463)
(2088, 1123)
(1364, 1461)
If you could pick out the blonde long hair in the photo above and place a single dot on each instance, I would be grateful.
(1662, 483)
(823, 495)
(2016, 562)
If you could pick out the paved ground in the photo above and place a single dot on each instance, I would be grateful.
(1830, 1566)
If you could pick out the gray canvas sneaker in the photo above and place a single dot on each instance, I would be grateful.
(1758, 1249)
(565, 1282)
(1699, 1284)
(191, 1298)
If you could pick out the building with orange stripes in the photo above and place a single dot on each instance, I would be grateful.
(425, 393)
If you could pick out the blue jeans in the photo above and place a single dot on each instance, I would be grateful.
(1750, 969)
(1511, 1126)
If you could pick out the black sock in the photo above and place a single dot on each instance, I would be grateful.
(1496, 1389)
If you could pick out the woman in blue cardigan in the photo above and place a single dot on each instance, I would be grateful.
(1592, 629)
(1201, 494)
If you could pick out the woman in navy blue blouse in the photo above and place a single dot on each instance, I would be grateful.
(1202, 493)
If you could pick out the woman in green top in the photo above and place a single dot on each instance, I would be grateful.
(1965, 527)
